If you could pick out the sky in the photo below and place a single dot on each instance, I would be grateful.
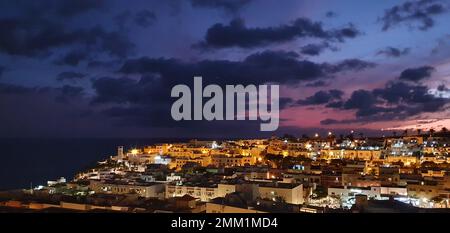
(93, 68)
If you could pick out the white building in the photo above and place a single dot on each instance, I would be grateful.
(347, 191)
(147, 190)
(204, 193)
(289, 192)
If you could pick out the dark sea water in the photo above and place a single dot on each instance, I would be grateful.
(26, 161)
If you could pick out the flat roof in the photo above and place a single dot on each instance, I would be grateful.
(278, 185)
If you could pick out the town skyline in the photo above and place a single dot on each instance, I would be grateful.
(320, 174)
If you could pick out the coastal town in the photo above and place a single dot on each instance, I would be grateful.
(404, 172)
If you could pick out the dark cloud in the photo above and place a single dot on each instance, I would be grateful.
(395, 101)
(349, 31)
(285, 102)
(68, 92)
(147, 91)
(119, 90)
(108, 65)
(144, 18)
(237, 34)
(37, 37)
(416, 74)
(258, 68)
(421, 12)
(6, 88)
(321, 97)
(72, 58)
(404, 93)
(145, 102)
(361, 121)
(71, 8)
(231, 6)
(329, 121)
(2, 69)
(69, 75)
(336, 104)
(39, 28)
(113, 43)
(319, 83)
(350, 65)
(140, 117)
(331, 14)
(43, 28)
(55, 8)
(122, 18)
(362, 100)
(149, 95)
(315, 49)
(393, 52)
(22, 37)
(59, 94)
(158, 115)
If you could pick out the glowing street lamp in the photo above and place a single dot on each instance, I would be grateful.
(134, 151)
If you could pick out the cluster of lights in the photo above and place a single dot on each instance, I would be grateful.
(349, 201)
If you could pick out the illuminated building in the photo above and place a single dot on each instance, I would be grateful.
(289, 192)
(144, 189)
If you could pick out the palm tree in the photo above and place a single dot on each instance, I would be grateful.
(431, 132)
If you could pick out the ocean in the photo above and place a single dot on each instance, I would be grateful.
(26, 162)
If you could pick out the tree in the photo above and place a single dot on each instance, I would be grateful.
(289, 137)
(288, 162)
(405, 132)
(350, 137)
(431, 132)
(273, 159)
(319, 192)
(419, 131)
(444, 130)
